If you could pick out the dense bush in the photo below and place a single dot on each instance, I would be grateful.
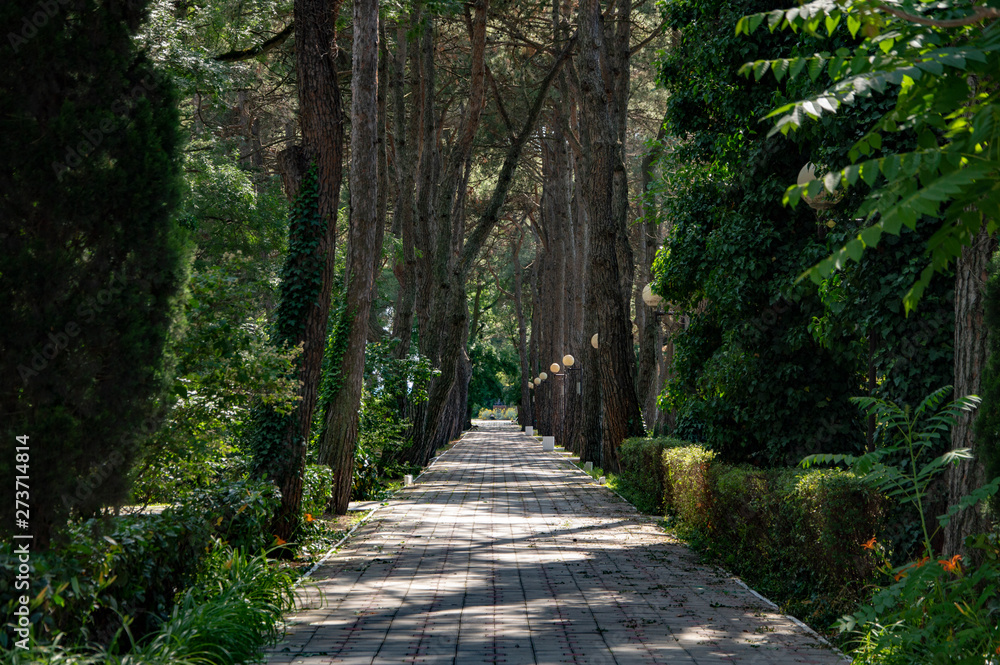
(687, 484)
(640, 479)
(226, 617)
(318, 485)
(800, 536)
(105, 569)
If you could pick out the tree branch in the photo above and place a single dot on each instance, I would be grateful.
(658, 30)
(260, 49)
(491, 215)
(978, 14)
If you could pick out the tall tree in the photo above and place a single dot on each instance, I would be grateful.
(92, 258)
(604, 191)
(339, 440)
(280, 442)
(454, 318)
(971, 351)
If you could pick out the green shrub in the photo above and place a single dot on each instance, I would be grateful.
(687, 485)
(640, 480)
(746, 517)
(135, 565)
(799, 536)
(317, 489)
(837, 514)
(227, 616)
(510, 413)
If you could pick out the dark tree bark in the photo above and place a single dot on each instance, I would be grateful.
(555, 210)
(339, 440)
(971, 351)
(426, 189)
(650, 337)
(404, 135)
(524, 413)
(604, 171)
(322, 137)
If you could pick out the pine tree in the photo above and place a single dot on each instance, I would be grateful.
(92, 262)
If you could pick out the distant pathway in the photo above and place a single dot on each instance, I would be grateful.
(505, 554)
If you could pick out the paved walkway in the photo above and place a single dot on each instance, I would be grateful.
(504, 554)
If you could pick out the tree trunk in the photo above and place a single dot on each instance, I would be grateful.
(452, 323)
(337, 447)
(604, 172)
(404, 135)
(322, 137)
(650, 337)
(970, 358)
(524, 413)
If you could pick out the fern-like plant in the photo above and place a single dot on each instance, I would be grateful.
(900, 467)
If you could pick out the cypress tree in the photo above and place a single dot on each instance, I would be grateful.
(91, 261)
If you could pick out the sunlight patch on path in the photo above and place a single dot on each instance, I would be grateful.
(504, 554)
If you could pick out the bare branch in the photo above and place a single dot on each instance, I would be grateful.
(261, 49)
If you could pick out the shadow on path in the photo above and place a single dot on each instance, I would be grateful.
(504, 554)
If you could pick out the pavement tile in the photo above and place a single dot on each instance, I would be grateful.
(501, 553)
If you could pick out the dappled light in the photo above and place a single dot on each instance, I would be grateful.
(503, 553)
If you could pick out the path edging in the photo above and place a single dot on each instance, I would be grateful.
(765, 600)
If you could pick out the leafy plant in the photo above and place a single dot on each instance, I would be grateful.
(898, 466)
(932, 611)
(317, 486)
(641, 477)
(940, 57)
(231, 612)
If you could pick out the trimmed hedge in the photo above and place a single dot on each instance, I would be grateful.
(640, 480)
(688, 484)
(799, 536)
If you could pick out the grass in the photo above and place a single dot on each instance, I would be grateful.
(232, 612)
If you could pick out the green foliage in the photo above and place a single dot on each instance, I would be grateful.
(936, 612)
(301, 278)
(510, 413)
(941, 74)
(687, 484)
(384, 431)
(987, 422)
(93, 259)
(797, 536)
(898, 466)
(749, 377)
(317, 488)
(231, 612)
(495, 375)
(226, 363)
(640, 480)
(135, 566)
(931, 612)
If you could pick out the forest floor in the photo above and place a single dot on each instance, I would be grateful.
(503, 553)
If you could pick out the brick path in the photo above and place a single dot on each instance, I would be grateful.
(504, 554)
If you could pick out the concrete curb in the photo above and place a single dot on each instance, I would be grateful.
(726, 573)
